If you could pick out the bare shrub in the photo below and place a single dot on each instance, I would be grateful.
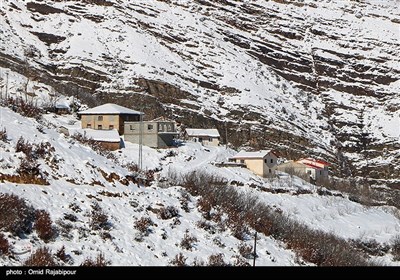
(168, 212)
(314, 246)
(246, 251)
(188, 241)
(240, 261)
(16, 216)
(62, 256)
(371, 247)
(178, 260)
(44, 226)
(41, 257)
(3, 135)
(143, 225)
(184, 200)
(98, 262)
(98, 218)
(216, 260)
(206, 225)
(4, 245)
(396, 248)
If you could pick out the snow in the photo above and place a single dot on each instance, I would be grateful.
(111, 135)
(109, 109)
(258, 154)
(195, 132)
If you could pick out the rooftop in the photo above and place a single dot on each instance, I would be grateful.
(110, 109)
(202, 132)
(255, 155)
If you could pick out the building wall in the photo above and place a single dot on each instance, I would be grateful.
(255, 165)
(205, 141)
(155, 134)
(105, 122)
(112, 146)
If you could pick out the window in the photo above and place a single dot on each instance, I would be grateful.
(210, 139)
(160, 127)
(265, 160)
(89, 125)
(149, 127)
(242, 161)
(111, 126)
(200, 139)
(131, 127)
(309, 172)
(100, 118)
(269, 170)
(100, 127)
(272, 160)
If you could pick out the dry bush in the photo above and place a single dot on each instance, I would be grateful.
(371, 247)
(216, 260)
(178, 260)
(198, 262)
(240, 261)
(98, 218)
(187, 241)
(396, 248)
(41, 257)
(314, 246)
(143, 225)
(246, 251)
(99, 261)
(3, 135)
(61, 254)
(44, 226)
(184, 200)
(4, 245)
(207, 226)
(168, 212)
(16, 216)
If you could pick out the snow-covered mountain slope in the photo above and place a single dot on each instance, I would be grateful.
(75, 178)
(305, 77)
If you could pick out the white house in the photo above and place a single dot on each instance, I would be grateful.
(262, 163)
(207, 137)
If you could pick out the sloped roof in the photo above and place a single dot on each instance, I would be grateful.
(314, 162)
(110, 109)
(98, 135)
(253, 155)
(202, 132)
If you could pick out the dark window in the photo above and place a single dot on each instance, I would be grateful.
(111, 126)
(210, 139)
(265, 160)
(149, 127)
(100, 118)
(309, 171)
(89, 125)
(272, 160)
(242, 161)
(131, 127)
(200, 139)
(99, 126)
(269, 170)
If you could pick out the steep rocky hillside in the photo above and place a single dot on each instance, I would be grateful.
(305, 77)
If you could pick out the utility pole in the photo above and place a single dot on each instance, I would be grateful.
(140, 163)
(7, 86)
(255, 246)
(226, 136)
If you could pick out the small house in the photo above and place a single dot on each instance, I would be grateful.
(61, 109)
(158, 133)
(309, 169)
(108, 117)
(262, 163)
(207, 137)
(108, 139)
